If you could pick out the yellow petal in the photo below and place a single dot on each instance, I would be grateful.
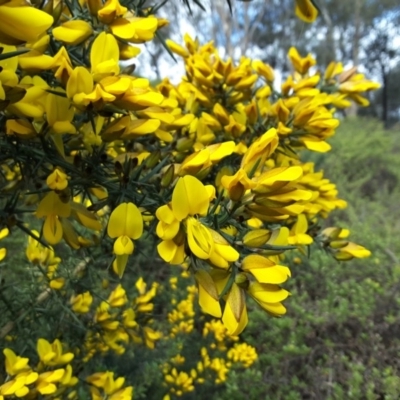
(167, 250)
(320, 147)
(176, 48)
(208, 295)
(80, 81)
(235, 317)
(119, 264)
(126, 219)
(72, 32)
(104, 55)
(265, 270)
(57, 283)
(24, 23)
(199, 239)
(45, 350)
(52, 229)
(3, 253)
(123, 29)
(141, 127)
(276, 309)
(123, 245)
(189, 198)
(306, 10)
(267, 293)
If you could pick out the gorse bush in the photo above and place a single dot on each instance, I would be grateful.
(110, 181)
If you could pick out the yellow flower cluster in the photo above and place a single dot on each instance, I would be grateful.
(216, 328)
(182, 316)
(210, 164)
(207, 173)
(116, 321)
(105, 386)
(213, 361)
(52, 376)
(243, 353)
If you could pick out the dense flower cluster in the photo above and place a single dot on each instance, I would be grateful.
(54, 376)
(98, 167)
(196, 366)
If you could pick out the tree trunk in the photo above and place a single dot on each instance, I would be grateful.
(352, 111)
(331, 43)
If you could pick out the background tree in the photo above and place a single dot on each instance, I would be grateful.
(363, 33)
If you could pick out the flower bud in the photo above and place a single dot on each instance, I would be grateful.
(184, 144)
(256, 238)
(242, 281)
(168, 177)
(153, 159)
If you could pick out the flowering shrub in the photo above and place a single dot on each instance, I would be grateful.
(99, 169)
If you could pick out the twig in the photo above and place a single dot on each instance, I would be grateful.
(43, 296)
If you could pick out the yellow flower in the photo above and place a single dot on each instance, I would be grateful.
(104, 56)
(345, 251)
(200, 239)
(21, 23)
(176, 48)
(47, 380)
(81, 303)
(269, 297)
(206, 157)
(52, 208)
(68, 379)
(19, 385)
(223, 253)
(72, 32)
(111, 387)
(301, 64)
(260, 150)
(242, 353)
(235, 316)
(151, 336)
(135, 29)
(172, 251)
(265, 270)
(15, 364)
(168, 225)
(57, 180)
(59, 114)
(237, 185)
(117, 297)
(264, 70)
(181, 382)
(21, 128)
(125, 224)
(112, 9)
(298, 232)
(51, 354)
(80, 84)
(190, 197)
(208, 294)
